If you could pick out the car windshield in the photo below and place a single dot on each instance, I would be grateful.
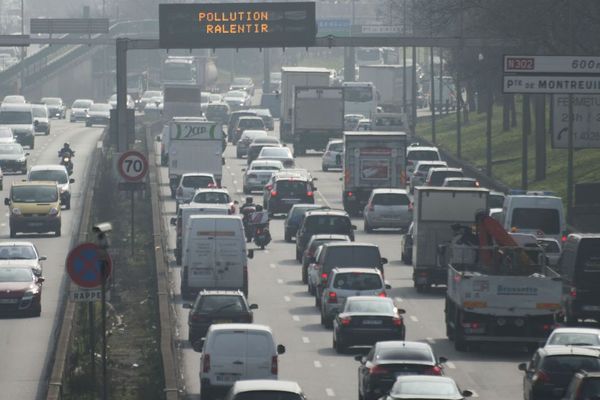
(251, 123)
(404, 353)
(16, 275)
(391, 199)
(424, 389)
(100, 107)
(34, 194)
(242, 81)
(210, 304)
(544, 219)
(267, 395)
(438, 178)
(336, 147)
(15, 117)
(49, 175)
(426, 155)
(11, 149)
(51, 102)
(570, 364)
(278, 152)
(357, 281)
(236, 94)
(329, 224)
(148, 94)
(496, 200)
(82, 104)
(5, 132)
(369, 306)
(197, 181)
(212, 197)
(286, 186)
(574, 338)
(17, 252)
(39, 112)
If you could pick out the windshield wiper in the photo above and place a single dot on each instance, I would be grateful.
(224, 307)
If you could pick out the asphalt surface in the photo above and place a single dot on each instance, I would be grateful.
(285, 305)
(26, 343)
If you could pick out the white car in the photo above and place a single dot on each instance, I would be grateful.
(388, 208)
(552, 249)
(21, 254)
(14, 99)
(99, 113)
(236, 352)
(79, 109)
(56, 173)
(334, 155)
(241, 147)
(113, 101)
(214, 196)
(257, 388)
(237, 99)
(282, 154)
(6, 135)
(259, 173)
(190, 183)
(421, 170)
(574, 337)
(416, 153)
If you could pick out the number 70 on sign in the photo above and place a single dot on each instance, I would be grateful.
(132, 166)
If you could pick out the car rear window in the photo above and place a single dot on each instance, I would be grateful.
(424, 168)
(211, 304)
(391, 199)
(336, 146)
(328, 224)
(425, 155)
(426, 389)
(197, 182)
(570, 363)
(369, 306)
(267, 395)
(357, 281)
(286, 186)
(404, 354)
(544, 219)
(251, 123)
(353, 256)
(212, 197)
(438, 177)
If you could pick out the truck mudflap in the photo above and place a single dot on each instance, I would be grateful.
(424, 277)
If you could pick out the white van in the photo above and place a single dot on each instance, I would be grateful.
(233, 352)
(214, 254)
(539, 214)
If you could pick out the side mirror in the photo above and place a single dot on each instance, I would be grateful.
(384, 260)
(243, 169)
(280, 349)
(467, 393)
(27, 154)
(251, 253)
(354, 227)
(71, 180)
(173, 221)
(254, 306)
(36, 122)
(523, 367)
(388, 286)
(401, 311)
(197, 345)
(314, 188)
(443, 360)
(7, 201)
(41, 279)
(43, 258)
(187, 306)
(360, 359)
(157, 138)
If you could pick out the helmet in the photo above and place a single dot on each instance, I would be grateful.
(66, 145)
(249, 200)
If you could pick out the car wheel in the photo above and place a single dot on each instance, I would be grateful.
(57, 232)
(246, 190)
(368, 228)
(338, 345)
(68, 204)
(325, 169)
(304, 274)
(287, 237)
(205, 391)
(31, 145)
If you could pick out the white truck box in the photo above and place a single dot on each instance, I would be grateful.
(389, 82)
(214, 254)
(180, 101)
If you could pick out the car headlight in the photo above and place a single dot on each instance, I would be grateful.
(16, 211)
(53, 211)
(30, 293)
(22, 160)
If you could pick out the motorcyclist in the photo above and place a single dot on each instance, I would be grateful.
(66, 151)
(246, 210)
(260, 227)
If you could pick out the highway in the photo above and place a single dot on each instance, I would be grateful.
(286, 306)
(27, 343)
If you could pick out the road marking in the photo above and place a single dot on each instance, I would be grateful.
(450, 365)
(317, 364)
(398, 299)
(414, 318)
(296, 318)
(330, 392)
(266, 251)
(287, 299)
(474, 393)
(272, 266)
(305, 339)
(3, 224)
(235, 182)
(232, 174)
(99, 144)
(430, 340)
(280, 281)
(324, 199)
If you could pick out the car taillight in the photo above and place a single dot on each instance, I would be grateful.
(476, 183)
(324, 277)
(564, 237)
(273, 193)
(573, 292)
(197, 318)
(382, 294)
(206, 363)
(274, 367)
(397, 321)
(541, 376)
(309, 193)
(180, 191)
(332, 298)
(435, 370)
(371, 207)
(346, 321)
(350, 194)
(377, 370)
(411, 206)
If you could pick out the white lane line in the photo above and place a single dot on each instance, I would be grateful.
(430, 340)
(398, 299)
(272, 266)
(474, 393)
(317, 364)
(414, 318)
(3, 224)
(287, 299)
(324, 199)
(280, 281)
(232, 174)
(266, 251)
(450, 365)
(330, 392)
(99, 144)
(305, 339)
(235, 182)
(296, 318)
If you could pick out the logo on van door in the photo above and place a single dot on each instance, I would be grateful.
(216, 234)
(195, 131)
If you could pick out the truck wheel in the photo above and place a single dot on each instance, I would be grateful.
(287, 237)
(449, 332)
(460, 344)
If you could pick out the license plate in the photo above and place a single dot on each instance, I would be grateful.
(290, 200)
(227, 377)
(36, 224)
(372, 322)
(221, 321)
(591, 308)
(202, 271)
(8, 301)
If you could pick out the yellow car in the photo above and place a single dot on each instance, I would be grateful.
(34, 207)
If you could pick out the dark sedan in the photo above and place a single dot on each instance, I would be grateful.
(217, 307)
(20, 291)
(426, 387)
(386, 361)
(366, 320)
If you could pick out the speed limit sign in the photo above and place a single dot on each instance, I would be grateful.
(132, 166)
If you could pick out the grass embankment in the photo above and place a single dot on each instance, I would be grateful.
(134, 362)
(507, 151)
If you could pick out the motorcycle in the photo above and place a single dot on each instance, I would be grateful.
(247, 212)
(259, 221)
(65, 159)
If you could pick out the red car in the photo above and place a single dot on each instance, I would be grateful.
(20, 292)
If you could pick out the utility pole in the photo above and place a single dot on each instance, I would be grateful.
(570, 173)
(459, 90)
(22, 27)
(432, 94)
(526, 132)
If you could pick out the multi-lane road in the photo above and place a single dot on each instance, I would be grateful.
(27, 343)
(286, 306)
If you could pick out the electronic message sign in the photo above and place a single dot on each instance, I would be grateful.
(237, 25)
